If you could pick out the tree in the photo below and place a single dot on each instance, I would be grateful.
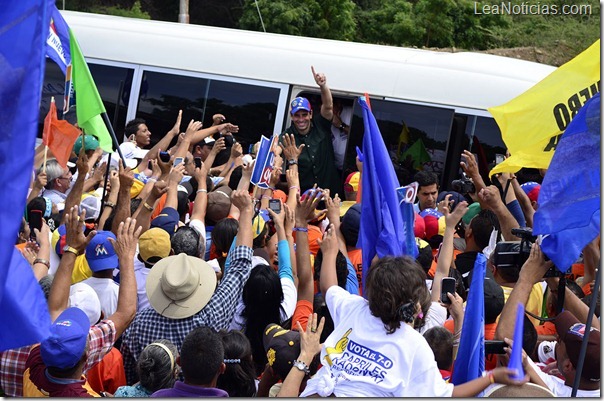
(390, 22)
(332, 19)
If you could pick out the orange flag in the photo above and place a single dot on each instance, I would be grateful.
(59, 135)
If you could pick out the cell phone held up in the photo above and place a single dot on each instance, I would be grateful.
(197, 162)
(494, 347)
(274, 205)
(164, 157)
(35, 221)
(447, 285)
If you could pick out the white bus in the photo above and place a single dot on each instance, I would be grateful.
(151, 69)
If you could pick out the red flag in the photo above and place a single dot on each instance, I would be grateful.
(59, 135)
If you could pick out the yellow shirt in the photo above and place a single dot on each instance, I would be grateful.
(534, 304)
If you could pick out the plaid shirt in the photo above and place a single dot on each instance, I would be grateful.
(12, 362)
(149, 326)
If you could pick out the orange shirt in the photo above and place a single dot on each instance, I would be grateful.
(356, 258)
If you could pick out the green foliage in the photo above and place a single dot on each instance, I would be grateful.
(332, 19)
(389, 23)
(133, 12)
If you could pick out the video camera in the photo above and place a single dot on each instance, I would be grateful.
(463, 185)
(514, 254)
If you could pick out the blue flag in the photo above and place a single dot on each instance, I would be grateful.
(381, 231)
(569, 201)
(406, 196)
(469, 364)
(516, 357)
(23, 32)
(57, 42)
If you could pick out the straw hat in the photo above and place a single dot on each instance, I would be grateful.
(180, 286)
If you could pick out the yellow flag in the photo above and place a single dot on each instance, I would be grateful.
(531, 124)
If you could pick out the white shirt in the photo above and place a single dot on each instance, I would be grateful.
(557, 386)
(140, 273)
(339, 138)
(107, 290)
(360, 360)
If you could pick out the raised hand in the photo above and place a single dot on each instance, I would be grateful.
(329, 243)
(74, 227)
(290, 151)
(242, 200)
(319, 77)
(176, 128)
(127, 239)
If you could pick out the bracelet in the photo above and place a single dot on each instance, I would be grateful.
(202, 190)
(147, 206)
(301, 366)
(293, 186)
(303, 229)
(43, 261)
(110, 204)
(491, 377)
(266, 197)
(151, 179)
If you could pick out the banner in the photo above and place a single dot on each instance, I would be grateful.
(23, 32)
(569, 199)
(406, 196)
(59, 135)
(265, 160)
(532, 123)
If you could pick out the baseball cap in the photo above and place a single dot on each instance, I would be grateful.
(100, 253)
(258, 224)
(66, 344)
(131, 151)
(90, 143)
(434, 222)
(167, 220)
(531, 189)
(300, 103)
(282, 348)
(352, 182)
(571, 332)
(83, 296)
(456, 197)
(419, 226)
(91, 204)
(154, 243)
(473, 210)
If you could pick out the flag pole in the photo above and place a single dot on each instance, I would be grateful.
(45, 156)
(115, 143)
(590, 315)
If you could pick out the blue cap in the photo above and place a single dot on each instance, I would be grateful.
(67, 342)
(167, 220)
(100, 253)
(300, 103)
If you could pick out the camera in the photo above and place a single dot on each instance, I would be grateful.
(513, 254)
(463, 185)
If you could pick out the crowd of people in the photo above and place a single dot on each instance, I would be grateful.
(168, 274)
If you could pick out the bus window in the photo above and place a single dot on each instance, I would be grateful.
(483, 138)
(162, 95)
(252, 107)
(415, 136)
(107, 79)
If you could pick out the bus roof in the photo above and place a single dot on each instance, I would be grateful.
(464, 79)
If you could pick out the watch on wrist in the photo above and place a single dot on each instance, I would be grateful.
(291, 162)
(301, 366)
(68, 248)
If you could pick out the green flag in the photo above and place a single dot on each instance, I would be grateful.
(89, 105)
(418, 154)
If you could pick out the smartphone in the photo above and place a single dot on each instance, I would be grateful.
(35, 221)
(197, 162)
(274, 205)
(178, 160)
(150, 165)
(494, 347)
(447, 285)
(282, 178)
(499, 158)
(164, 157)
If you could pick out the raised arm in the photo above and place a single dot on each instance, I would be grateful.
(329, 247)
(243, 185)
(77, 242)
(523, 201)
(305, 211)
(75, 196)
(122, 211)
(446, 251)
(164, 142)
(173, 180)
(531, 273)
(490, 199)
(111, 199)
(326, 99)
(125, 248)
(470, 167)
(243, 201)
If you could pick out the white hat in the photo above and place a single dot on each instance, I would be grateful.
(131, 151)
(91, 204)
(83, 297)
(180, 286)
(115, 157)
